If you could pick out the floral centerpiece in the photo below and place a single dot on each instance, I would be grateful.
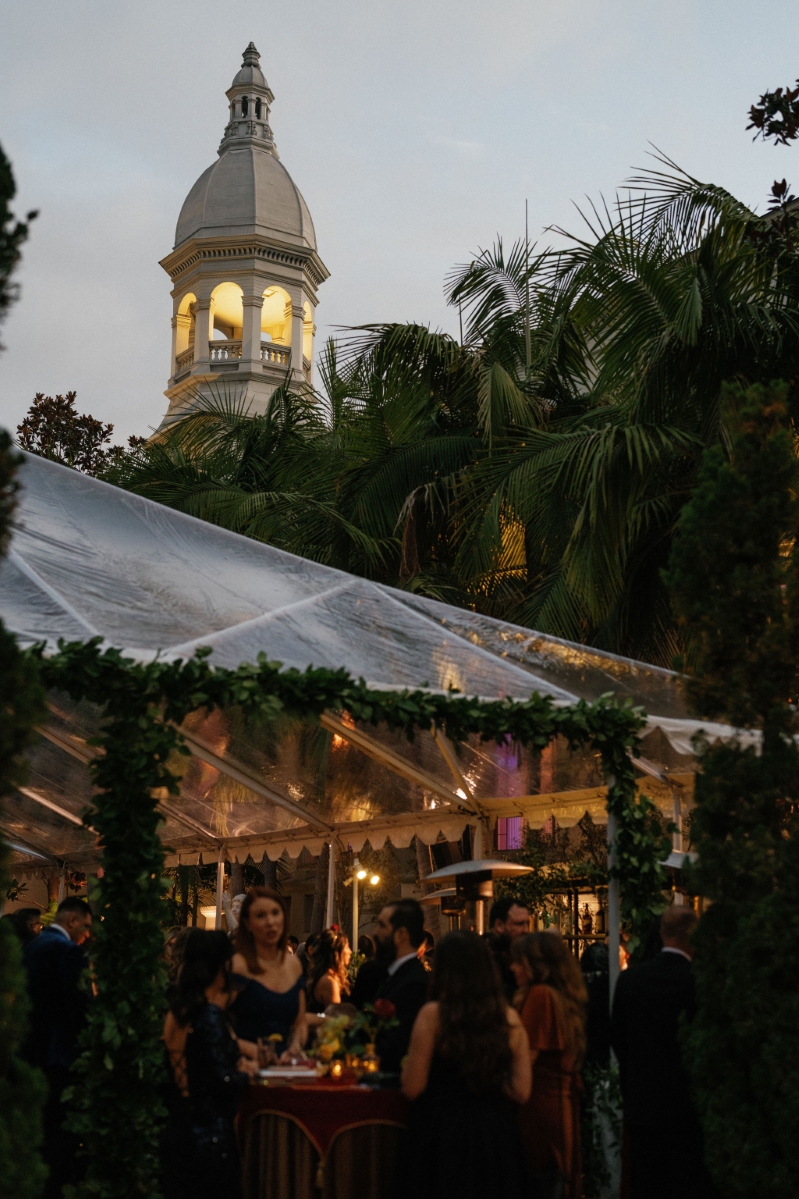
(347, 1042)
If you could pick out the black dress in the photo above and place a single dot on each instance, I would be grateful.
(468, 1144)
(258, 1012)
(200, 1157)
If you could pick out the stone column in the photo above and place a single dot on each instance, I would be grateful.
(174, 345)
(251, 332)
(297, 320)
(203, 327)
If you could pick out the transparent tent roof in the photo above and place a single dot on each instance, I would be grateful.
(88, 559)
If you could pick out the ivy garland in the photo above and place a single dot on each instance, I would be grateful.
(118, 1101)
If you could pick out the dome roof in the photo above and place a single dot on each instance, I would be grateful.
(246, 191)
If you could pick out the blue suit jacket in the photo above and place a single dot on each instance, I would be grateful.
(59, 1002)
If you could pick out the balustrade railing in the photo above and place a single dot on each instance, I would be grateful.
(224, 351)
(272, 353)
(230, 351)
(183, 361)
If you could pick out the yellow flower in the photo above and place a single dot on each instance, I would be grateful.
(327, 1050)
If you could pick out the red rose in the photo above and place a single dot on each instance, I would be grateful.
(385, 1009)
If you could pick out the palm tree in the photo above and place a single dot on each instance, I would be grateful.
(638, 326)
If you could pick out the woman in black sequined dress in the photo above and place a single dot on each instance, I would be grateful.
(207, 1075)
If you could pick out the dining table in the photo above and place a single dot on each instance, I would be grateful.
(310, 1138)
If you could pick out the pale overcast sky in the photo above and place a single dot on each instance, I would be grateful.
(415, 129)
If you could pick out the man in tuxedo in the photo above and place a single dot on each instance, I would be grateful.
(662, 1129)
(55, 962)
(399, 933)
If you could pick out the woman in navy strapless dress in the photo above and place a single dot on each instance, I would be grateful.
(272, 1000)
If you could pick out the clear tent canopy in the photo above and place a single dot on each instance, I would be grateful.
(88, 559)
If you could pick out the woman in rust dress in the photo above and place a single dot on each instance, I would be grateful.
(552, 1003)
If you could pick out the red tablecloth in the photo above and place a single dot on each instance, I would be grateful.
(323, 1110)
(317, 1141)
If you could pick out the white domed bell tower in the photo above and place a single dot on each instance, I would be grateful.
(244, 269)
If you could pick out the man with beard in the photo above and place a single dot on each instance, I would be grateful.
(508, 920)
(399, 933)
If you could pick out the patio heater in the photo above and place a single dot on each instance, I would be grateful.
(475, 881)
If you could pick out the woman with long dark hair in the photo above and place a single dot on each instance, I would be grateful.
(200, 1157)
(272, 1000)
(467, 1066)
(552, 1000)
(329, 981)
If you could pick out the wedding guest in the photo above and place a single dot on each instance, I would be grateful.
(26, 923)
(199, 1153)
(508, 919)
(232, 908)
(55, 962)
(468, 1064)
(663, 1135)
(293, 943)
(426, 951)
(552, 999)
(172, 953)
(399, 933)
(329, 981)
(272, 1001)
(594, 966)
(305, 952)
(371, 973)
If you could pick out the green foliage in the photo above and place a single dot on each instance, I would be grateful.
(776, 115)
(12, 235)
(734, 578)
(601, 1114)
(22, 1088)
(53, 429)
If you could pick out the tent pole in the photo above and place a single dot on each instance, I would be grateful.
(676, 839)
(355, 913)
(331, 887)
(220, 886)
(614, 909)
(62, 883)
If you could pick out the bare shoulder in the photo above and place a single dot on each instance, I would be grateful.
(240, 965)
(428, 1015)
(294, 966)
(512, 1016)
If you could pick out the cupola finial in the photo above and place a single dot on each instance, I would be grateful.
(249, 97)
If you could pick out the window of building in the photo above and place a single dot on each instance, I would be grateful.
(245, 106)
(258, 110)
(509, 832)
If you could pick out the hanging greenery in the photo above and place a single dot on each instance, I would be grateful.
(735, 578)
(119, 1108)
(22, 1088)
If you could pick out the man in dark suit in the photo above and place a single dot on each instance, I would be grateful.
(399, 933)
(662, 1129)
(55, 962)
